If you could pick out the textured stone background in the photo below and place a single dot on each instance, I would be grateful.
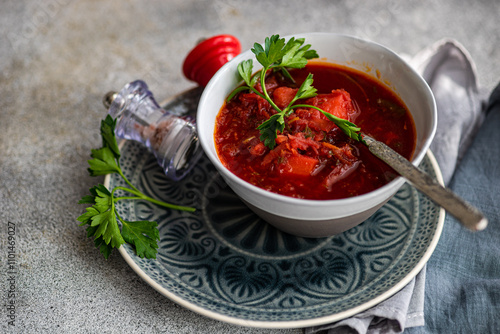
(59, 57)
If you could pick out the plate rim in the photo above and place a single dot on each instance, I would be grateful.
(304, 322)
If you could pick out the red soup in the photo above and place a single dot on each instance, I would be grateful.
(313, 158)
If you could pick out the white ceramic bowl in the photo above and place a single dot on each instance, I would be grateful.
(320, 218)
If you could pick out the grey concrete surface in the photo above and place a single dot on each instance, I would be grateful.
(59, 57)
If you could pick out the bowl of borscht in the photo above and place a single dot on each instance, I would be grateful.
(283, 153)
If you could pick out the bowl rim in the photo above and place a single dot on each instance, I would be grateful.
(392, 186)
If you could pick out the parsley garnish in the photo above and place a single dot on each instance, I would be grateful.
(102, 217)
(277, 55)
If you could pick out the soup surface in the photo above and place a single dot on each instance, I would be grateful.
(313, 158)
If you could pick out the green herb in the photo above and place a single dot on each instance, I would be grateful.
(277, 55)
(102, 217)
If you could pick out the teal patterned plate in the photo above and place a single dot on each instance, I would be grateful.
(226, 263)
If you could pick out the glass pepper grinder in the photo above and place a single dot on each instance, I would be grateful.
(171, 136)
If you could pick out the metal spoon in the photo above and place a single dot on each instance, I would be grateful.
(463, 211)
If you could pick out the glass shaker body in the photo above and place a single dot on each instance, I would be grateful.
(171, 138)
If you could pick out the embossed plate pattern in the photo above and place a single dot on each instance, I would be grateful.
(226, 263)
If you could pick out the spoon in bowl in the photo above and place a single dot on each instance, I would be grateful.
(463, 211)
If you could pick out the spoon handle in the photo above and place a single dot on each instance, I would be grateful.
(463, 211)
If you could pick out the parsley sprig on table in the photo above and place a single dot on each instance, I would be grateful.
(278, 55)
(102, 217)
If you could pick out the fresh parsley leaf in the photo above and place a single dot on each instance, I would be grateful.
(108, 228)
(103, 200)
(349, 128)
(245, 69)
(88, 199)
(306, 90)
(86, 218)
(277, 54)
(103, 247)
(99, 188)
(108, 135)
(103, 162)
(270, 127)
(101, 218)
(271, 53)
(294, 57)
(143, 235)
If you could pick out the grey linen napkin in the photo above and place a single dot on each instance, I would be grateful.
(450, 72)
